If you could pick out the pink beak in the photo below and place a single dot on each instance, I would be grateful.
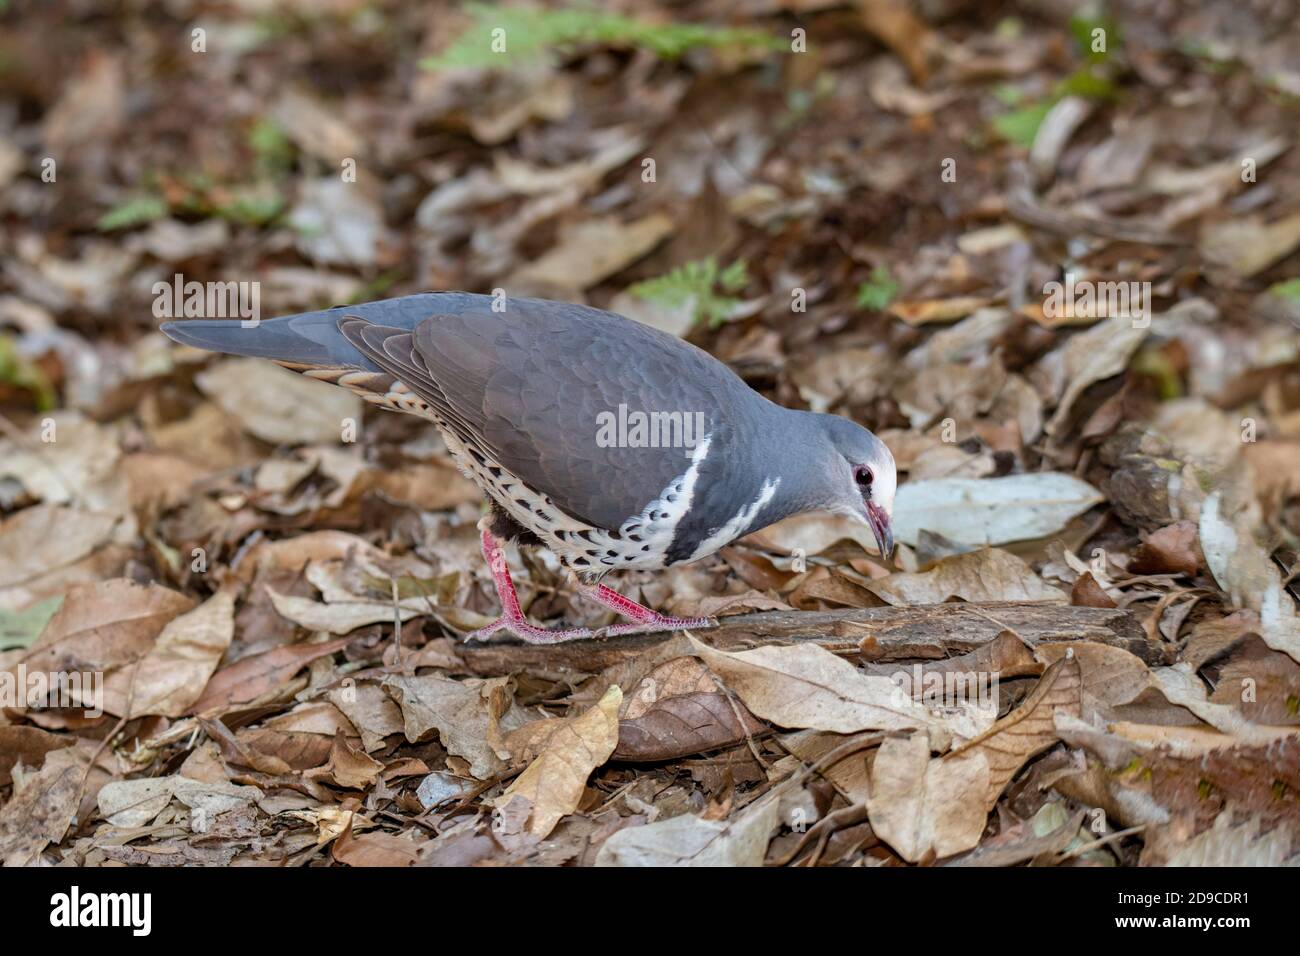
(878, 518)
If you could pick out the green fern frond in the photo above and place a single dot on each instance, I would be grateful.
(702, 285)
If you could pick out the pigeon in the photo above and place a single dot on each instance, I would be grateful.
(614, 444)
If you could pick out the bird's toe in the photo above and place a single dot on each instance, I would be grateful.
(528, 633)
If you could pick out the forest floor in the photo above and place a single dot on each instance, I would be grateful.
(1049, 257)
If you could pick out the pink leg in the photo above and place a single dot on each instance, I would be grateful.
(512, 616)
(641, 618)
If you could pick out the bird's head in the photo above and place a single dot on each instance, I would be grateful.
(863, 478)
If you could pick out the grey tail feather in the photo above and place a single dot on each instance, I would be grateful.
(308, 339)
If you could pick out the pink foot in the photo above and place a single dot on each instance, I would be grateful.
(512, 616)
(641, 619)
(528, 633)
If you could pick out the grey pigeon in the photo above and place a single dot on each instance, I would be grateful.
(615, 445)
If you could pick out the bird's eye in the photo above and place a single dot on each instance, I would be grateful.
(862, 475)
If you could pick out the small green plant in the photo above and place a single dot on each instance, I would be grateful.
(1020, 126)
(710, 291)
(254, 204)
(1092, 81)
(503, 36)
(18, 371)
(273, 149)
(21, 628)
(1083, 28)
(136, 211)
(1288, 289)
(878, 291)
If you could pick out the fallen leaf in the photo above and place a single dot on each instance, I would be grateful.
(28, 746)
(1088, 593)
(1172, 549)
(555, 782)
(278, 406)
(372, 712)
(908, 36)
(690, 840)
(374, 849)
(1244, 844)
(806, 686)
(41, 810)
(677, 710)
(979, 576)
(1244, 569)
(593, 250)
(456, 712)
(991, 510)
(351, 768)
(1092, 356)
(257, 675)
(1027, 730)
(40, 539)
(341, 618)
(100, 629)
(921, 806)
(1247, 246)
(172, 675)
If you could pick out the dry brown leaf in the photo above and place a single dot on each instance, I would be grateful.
(1263, 684)
(457, 712)
(278, 406)
(172, 675)
(1248, 246)
(351, 768)
(826, 586)
(894, 24)
(1086, 592)
(555, 782)
(690, 840)
(595, 249)
(806, 686)
(28, 746)
(103, 628)
(1172, 549)
(340, 618)
(849, 775)
(43, 538)
(1109, 676)
(1181, 686)
(677, 710)
(250, 678)
(372, 712)
(925, 311)
(1027, 730)
(1092, 356)
(923, 807)
(42, 808)
(979, 576)
(374, 849)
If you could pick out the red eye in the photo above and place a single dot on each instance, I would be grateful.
(862, 475)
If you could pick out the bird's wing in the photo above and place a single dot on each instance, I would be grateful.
(534, 386)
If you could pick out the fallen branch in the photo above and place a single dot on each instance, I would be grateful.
(930, 632)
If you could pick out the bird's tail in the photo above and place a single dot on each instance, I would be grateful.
(307, 340)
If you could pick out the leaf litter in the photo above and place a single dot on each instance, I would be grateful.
(266, 583)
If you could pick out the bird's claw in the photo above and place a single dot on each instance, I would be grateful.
(532, 634)
(528, 633)
(655, 626)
